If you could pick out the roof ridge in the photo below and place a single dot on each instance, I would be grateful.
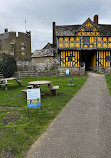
(105, 24)
(70, 25)
(69, 30)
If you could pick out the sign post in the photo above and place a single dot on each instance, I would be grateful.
(67, 72)
(33, 98)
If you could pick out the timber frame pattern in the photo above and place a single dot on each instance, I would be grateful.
(89, 43)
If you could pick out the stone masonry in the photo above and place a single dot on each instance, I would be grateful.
(17, 45)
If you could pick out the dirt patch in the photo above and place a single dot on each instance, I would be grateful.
(10, 118)
(8, 154)
(8, 107)
(50, 112)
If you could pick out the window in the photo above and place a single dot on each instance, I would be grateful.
(108, 58)
(12, 46)
(86, 40)
(88, 28)
(70, 58)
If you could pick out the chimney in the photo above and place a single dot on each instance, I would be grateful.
(96, 19)
(6, 30)
(54, 35)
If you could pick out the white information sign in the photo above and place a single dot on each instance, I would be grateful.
(67, 72)
(33, 98)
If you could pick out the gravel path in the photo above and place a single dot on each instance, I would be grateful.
(83, 128)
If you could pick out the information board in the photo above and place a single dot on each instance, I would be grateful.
(33, 98)
(67, 72)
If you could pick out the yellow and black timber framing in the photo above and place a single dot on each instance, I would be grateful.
(87, 45)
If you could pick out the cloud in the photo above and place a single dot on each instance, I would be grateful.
(40, 14)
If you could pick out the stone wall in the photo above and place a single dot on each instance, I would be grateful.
(49, 66)
(37, 68)
(1, 76)
(72, 71)
(44, 63)
(15, 44)
(99, 69)
(33, 74)
(28, 70)
(103, 70)
(108, 70)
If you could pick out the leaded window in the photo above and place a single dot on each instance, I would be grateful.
(88, 29)
(108, 58)
(86, 40)
(70, 58)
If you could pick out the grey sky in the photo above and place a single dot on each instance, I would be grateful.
(40, 14)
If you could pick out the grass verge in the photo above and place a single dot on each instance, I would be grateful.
(108, 81)
(17, 130)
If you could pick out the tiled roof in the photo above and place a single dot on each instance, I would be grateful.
(66, 30)
(43, 53)
(105, 29)
(48, 46)
(70, 30)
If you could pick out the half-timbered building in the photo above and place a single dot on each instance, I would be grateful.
(86, 46)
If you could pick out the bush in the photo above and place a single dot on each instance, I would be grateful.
(8, 66)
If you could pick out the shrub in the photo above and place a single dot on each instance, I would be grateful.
(8, 66)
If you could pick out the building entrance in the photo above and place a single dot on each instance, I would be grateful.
(88, 59)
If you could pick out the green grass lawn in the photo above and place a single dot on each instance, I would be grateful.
(17, 130)
(108, 81)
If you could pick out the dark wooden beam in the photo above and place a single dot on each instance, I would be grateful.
(54, 34)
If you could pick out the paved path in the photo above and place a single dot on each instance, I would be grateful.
(83, 129)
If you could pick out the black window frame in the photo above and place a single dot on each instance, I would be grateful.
(108, 58)
(88, 29)
(70, 58)
(86, 40)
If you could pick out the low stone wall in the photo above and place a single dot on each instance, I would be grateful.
(27, 71)
(1, 76)
(37, 68)
(72, 71)
(108, 70)
(43, 63)
(103, 70)
(34, 74)
(39, 65)
(26, 74)
(99, 69)
(25, 66)
(55, 72)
